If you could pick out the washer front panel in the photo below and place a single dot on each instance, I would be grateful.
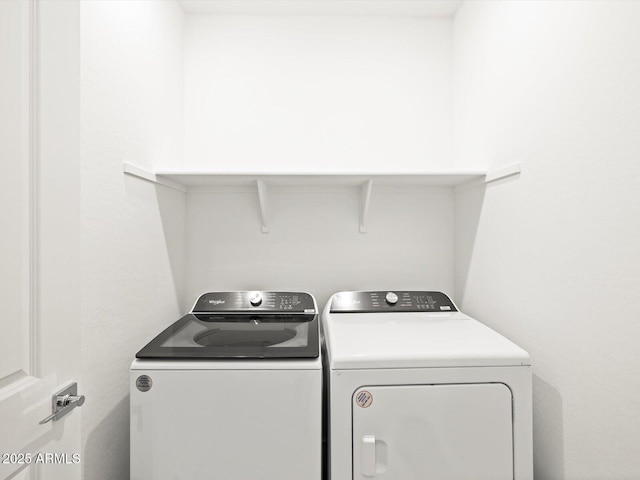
(233, 424)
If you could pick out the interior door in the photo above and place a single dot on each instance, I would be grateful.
(39, 236)
(435, 432)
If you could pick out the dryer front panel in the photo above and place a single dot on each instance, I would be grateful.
(444, 432)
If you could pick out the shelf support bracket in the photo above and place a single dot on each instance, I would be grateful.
(365, 197)
(262, 198)
(504, 172)
(490, 177)
(135, 171)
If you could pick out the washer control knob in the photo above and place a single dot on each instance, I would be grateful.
(256, 300)
(391, 298)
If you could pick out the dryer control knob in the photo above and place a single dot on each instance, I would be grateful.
(391, 298)
(256, 300)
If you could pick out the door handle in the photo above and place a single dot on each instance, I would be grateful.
(369, 456)
(63, 402)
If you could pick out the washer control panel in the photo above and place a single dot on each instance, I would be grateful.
(391, 301)
(391, 298)
(255, 301)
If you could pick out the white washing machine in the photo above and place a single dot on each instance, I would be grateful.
(231, 391)
(419, 390)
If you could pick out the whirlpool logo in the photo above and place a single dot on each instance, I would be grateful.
(217, 302)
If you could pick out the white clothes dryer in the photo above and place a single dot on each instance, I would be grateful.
(417, 389)
(231, 391)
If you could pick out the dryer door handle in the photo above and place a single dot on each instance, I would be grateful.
(369, 456)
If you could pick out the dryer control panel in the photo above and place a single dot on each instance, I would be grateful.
(255, 301)
(391, 301)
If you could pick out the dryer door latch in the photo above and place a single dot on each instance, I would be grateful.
(369, 455)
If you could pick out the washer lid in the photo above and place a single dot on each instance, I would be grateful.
(242, 325)
(237, 336)
(415, 339)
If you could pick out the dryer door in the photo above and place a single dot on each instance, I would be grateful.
(444, 432)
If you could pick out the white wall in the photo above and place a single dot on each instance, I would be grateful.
(551, 258)
(132, 231)
(314, 242)
(317, 94)
(551, 84)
